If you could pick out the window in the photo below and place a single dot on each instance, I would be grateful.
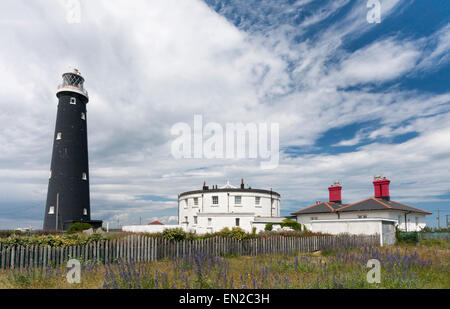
(83, 116)
(237, 221)
(417, 221)
(73, 100)
(196, 201)
(51, 210)
(84, 176)
(215, 200)
(186, 219)
(58, 136)
(195, 220)
(50, 176)
(314, 218)
(85, 211)
(257, 200)
(185, 203)
(362, 216)
(237, 200)
(209, 221)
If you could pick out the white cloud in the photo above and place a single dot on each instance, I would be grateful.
(155, 63)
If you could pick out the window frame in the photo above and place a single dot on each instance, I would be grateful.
(236, 197)
(258, 198)
(213, 198)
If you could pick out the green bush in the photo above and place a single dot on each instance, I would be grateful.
(291, 224)
(407, 237)
(174, 234)
(268, 227)
(78, 227)
(238, 233)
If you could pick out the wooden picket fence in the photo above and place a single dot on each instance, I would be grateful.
(140, 248)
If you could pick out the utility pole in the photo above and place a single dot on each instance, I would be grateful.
(439, 219)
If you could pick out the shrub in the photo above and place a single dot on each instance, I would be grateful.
(268, 227)
(78, 227)
(174, 234)
(291, 224)
(238, 233)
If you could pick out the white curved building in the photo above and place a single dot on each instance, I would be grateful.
(211, 209)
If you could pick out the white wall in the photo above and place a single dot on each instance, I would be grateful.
(147, 228)
(246, 211)
(383, 214)
(220, 221)
(369, 226)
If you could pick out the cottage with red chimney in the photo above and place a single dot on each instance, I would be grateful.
(374, 215)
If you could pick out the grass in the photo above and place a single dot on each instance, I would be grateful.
(425, 265)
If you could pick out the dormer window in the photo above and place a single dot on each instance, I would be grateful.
(58, 136)
(73, 100)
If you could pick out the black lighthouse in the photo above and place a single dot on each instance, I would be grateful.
(68, 187)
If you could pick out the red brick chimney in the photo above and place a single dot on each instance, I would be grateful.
(335, 192)
(381, 186)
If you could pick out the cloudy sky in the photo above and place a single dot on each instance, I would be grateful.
(352, 99)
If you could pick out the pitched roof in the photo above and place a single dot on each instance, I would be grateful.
(155, 223)
(322, 207)
(380, 204)
(371, 203)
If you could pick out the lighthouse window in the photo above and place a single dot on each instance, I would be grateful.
(85, 211)
(237, 221)
(257, 200)
(215, 200)
(195, 220)
(73, 101)
(50, 176)
(83, 116)
(237, 200)
(196, 201)
(51, 210)
(59, 136)
(209, 221)
(84, 176)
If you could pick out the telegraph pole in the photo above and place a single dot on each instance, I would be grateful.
(439, 219)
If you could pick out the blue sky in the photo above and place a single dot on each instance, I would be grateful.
(353, 99)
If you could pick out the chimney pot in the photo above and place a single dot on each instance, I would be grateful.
(381, 186)
(335, 193)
